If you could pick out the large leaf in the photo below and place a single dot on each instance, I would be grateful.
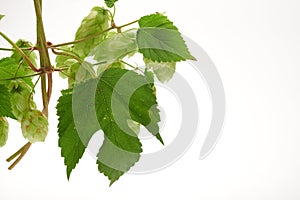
(107, 103)
(159, 40)
(5, 105)
(72, 145)
(91, 26)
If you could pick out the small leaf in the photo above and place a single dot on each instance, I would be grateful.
(1, 16)
(110, 3)
(113, 49)
(159, 40)
(3, 131)
(94, 23)
(164, 71)
(5, 105)
(31, 55)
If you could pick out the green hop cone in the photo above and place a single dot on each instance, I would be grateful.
(3, 131)
(94, 23)
(20, 94)
(19, 86)
(34, 126)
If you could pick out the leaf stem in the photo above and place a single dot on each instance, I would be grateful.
(66, 54)
(90, 70)
(128, 24)
(15, 154)
(50, 83)
(21, 77)
(10, 49)
(32, 91)
(93, 36)
(20, 152)
(130, 65)
(81, 40)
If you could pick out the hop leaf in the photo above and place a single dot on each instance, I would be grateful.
(34, 126)
(3, 131)
(159, 40)
(121, 99)
(9, 68)
(5, 104)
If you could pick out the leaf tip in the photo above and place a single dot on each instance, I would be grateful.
(69, 173)
(158, 136)
(192, 58)
(111, 183)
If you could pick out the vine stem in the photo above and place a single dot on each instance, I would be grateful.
(45, 68)
(45, 64)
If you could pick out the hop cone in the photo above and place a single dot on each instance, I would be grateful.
(21, 102)
(34, 126)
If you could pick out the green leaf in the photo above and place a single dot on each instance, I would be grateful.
(93, 24)
(1, 16)
(159, 40)
(5, 105)
(3, 131)
(110, 3)
(72, 145)
(110, 101)
(164, 71)
(113, 49)
(10, 69)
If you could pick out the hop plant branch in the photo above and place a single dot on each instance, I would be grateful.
(108, 49)
(45, 75)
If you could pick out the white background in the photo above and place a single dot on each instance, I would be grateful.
(255, 46)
